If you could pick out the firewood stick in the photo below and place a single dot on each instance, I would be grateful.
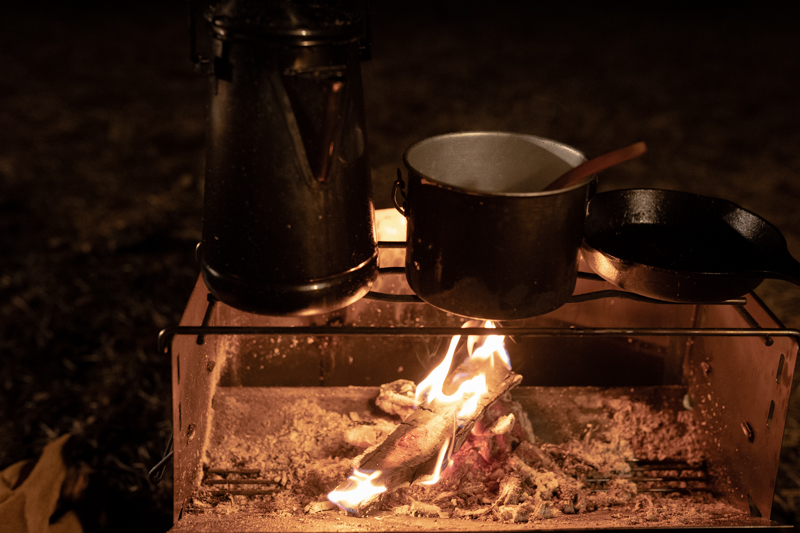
(411, 451)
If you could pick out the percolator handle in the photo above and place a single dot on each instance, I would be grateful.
(400, 185)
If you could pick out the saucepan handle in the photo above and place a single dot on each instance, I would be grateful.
(387, 297)
(400, 185)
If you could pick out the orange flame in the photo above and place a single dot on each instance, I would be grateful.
(437, 471)
(359, 490)
(430, 390)
(489, 353)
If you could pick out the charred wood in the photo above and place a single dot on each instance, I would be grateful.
(411, 452)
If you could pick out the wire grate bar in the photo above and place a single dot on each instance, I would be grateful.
(166, 335)
(241, 492)
(639, 479)
(238, 482)
(243, 472)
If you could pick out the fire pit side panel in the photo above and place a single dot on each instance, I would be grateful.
(740, 389)
(196, 363)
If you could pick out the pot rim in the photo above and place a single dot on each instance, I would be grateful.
(427, 179)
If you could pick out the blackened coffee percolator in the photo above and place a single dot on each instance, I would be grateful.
(288, 214)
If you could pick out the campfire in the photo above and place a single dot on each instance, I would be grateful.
(418, 448)
(389, 416)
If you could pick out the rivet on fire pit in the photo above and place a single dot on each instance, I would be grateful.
(688, 402)
(189, 433)
(706, 367)
(748, 432)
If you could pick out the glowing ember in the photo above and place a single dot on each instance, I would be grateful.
(358, 490)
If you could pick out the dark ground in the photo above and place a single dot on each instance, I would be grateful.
(101, 155)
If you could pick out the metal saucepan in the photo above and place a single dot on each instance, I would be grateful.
(483, 239)
(682, 247)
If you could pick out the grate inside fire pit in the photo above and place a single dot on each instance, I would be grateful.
(660, 476)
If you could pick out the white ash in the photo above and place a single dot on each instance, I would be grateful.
(368, 434)
(418, 508)
(510, 490)
(319, 507)
(501, 473)
(503, 424)
(397, 397)
(306, 457)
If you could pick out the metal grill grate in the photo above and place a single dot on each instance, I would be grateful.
(660, 476)
(245, 482)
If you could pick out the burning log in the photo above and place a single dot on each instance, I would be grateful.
(417, 449)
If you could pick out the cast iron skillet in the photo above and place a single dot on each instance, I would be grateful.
(682, 247)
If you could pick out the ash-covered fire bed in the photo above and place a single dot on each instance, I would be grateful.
(629, 414)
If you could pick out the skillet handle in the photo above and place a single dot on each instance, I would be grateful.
(787, 269)
(610, 293)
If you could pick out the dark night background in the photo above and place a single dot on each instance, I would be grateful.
(102, 125)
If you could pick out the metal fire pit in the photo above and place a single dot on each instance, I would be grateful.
(732, 363)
